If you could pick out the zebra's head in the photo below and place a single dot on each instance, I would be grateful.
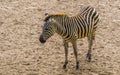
(48, 29)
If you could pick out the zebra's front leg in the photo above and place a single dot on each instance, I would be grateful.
(90, 43)
(66, 54)
(75, 53)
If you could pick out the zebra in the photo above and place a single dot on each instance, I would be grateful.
(71, 28)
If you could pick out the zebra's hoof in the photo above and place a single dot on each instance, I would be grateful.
(88, 57)
(77, 66)
(65, 64)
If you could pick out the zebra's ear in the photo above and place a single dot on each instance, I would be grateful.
(46, 14)
(47, 17)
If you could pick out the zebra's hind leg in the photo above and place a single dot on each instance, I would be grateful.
(90, 41)
(75, 53)
(66, 54)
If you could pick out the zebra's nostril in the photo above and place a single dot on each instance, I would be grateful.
(41, 39)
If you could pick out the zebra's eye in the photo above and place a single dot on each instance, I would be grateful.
(46, 28)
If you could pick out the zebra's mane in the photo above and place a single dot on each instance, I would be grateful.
(55, 15)
(83, 10)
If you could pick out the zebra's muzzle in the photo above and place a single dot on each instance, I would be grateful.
(41, 39)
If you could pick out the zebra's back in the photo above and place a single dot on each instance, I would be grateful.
(82, 25)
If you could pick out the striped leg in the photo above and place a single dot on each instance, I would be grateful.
(75, 53)
(66, 54)
(90, 41)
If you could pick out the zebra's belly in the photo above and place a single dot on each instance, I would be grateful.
(74, 38)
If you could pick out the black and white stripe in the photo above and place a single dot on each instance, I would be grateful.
(72, 28)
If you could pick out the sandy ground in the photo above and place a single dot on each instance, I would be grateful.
(21, 53)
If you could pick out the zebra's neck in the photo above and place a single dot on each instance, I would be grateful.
(61, 21)
(65, 25)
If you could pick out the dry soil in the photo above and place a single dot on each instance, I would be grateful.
(21, 53)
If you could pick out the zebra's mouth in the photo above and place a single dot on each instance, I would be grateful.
(41, 39)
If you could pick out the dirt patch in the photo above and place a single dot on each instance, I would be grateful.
(21, 53)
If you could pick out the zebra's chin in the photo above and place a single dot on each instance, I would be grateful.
(41, 39)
